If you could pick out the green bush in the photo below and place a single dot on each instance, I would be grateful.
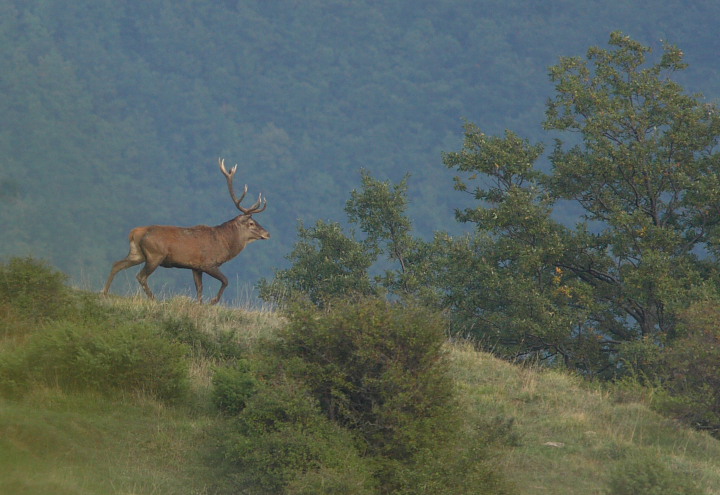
(645, 475)
(232, 387)
(33, 288)
(281, 443)
(690, 369)
(461, 465)
(375, 367)
(133, 358)
(379, 369)
(356, 399)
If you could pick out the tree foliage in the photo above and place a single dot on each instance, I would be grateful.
(646, 174)
(379, 209)
(641, 169)
(504, 284)
(327, 265)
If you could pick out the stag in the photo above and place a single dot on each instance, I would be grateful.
(201, 249)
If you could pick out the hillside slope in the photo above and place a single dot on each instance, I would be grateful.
(564, 438)
(571, 438)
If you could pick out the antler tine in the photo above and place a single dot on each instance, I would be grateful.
(229, 175)
(229, 178)
(254, 208)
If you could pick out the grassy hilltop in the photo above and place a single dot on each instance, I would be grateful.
(122, 396)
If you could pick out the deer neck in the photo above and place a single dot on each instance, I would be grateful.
(233, 235)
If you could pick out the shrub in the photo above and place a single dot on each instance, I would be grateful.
(461, 465)
(379, 370)
(375, 367)
(182, 329)
(690, 365)
(645, 475)
(357, 399)
(678, 378)
(125, 358)
(281, 443)
(33, 288)
(232, 387)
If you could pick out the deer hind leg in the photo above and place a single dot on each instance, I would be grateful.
(216, 273)
(133, 258)
(142, 276)
(197, 276)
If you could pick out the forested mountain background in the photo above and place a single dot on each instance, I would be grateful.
(114, 113)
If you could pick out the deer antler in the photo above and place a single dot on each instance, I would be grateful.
(229, 176)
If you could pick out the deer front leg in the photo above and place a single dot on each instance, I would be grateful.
(216, 273)
(197, 276)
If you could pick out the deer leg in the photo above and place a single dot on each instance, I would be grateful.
(143, 275)
(197, 276)
(216, 273)
(134, 257)
(118, 266)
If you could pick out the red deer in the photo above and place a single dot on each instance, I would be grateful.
(201, 249)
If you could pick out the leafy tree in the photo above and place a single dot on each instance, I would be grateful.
(326, 265)
(644, 172)
(379, 208)
(505, 284)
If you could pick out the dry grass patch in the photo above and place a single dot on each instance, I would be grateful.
(249, 323)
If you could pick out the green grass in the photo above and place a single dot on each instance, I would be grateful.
(570, 437)
(53, 442)
(567, 437)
